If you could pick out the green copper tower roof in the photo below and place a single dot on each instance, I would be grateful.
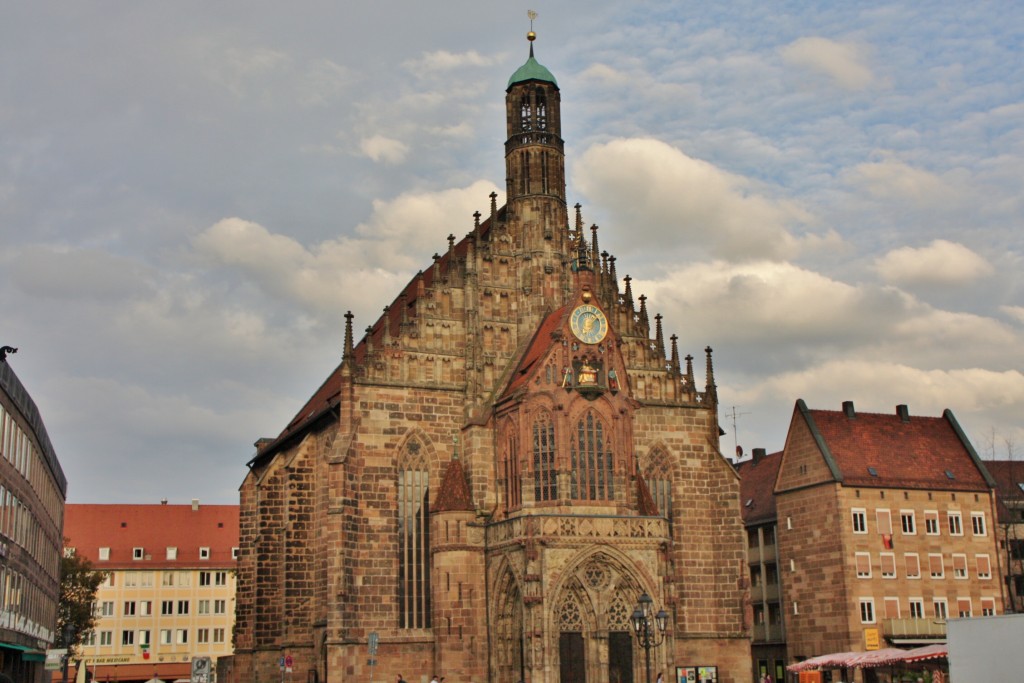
(532, 71)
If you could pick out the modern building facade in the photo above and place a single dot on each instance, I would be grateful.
(885, 529)
(169, 594)
(768, 641)
(497, 473)
(32, 493)
(1009, 477)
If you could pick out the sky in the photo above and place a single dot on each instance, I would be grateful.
(192, 195)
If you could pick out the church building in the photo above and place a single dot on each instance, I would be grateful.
(506, 466)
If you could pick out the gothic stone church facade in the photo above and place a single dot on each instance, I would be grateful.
(498, 470)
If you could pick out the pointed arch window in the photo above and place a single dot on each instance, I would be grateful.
(525, 114)
(545, 486)
(513, 489)
(659, 483)
(591, 460)
(413, 540)
(542, 110)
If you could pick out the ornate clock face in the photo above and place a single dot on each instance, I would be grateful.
(588, 324)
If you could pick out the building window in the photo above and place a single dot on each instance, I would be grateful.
(106, 638)
(916, 608)
(984, 566)
(863, 563)
(931, 522)
(883, 517)
(867, 610)
(892, 608)
(234, 553)
(205, 578)
(978, 523)
(220, 579)
(204, 606)
(963, 608)
(860, 521)
(545, 486)
(908, 522)
(104, 554)
(888, 563)
(413, 541)
(955, 524)
(107, 608)
(513, 477)
(913, 563)
(182, 606)
(203, 635)
(218, 635)
(167, 607)
(131, 579)
(165, 636)
(172, 553)
(146, 579)
(591, 460)
(167, 579)
(144, 637)
(145, 608)
(939, 609)
(89, 639)
(935, 566)
(988, 607)
(138, 553)
(219, 606)
(127, 637)
(129, 610)
(204, 553)
(182, 636)
(959, 566)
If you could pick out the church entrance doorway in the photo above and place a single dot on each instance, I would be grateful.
(573, 662)
(620, 657)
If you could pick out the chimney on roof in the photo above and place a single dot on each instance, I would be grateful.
(848, 410)
(903, 412)
(195, 504)
(757, 454)
(163, 501)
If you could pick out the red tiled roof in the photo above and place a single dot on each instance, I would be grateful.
(154, 528)
(917, 453)
(757, 487)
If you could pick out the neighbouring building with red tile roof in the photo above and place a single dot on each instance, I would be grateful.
(169, 594)
(32, 492)
(885, 529)
(1009, 476)
(510, 458)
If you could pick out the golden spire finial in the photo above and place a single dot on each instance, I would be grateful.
(531, 36)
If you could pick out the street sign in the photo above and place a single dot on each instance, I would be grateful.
(55, 659)
(201, 669)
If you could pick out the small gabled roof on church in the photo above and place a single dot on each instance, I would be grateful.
(539, 346)
(454, 495)
(897, 449)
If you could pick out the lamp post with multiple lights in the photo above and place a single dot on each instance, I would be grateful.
(649, 633)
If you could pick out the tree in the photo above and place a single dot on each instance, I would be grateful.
(78, 585)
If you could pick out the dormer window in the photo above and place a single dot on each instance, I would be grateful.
(204, 553)
(104, 554)
(138, 553)
(172, 553)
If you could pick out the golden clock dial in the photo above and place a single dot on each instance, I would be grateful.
(588, 324)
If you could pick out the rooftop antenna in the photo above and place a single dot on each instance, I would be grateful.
(733, 415)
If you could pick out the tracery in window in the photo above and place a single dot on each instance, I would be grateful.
(513, 490)
(413, 539)
(659, 481)
(591, 460)
(545, 483)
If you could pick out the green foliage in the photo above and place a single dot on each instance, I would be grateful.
(78, 585)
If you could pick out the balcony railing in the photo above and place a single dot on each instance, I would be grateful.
(914, 628)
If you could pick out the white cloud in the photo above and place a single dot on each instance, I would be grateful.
(443, 60)
(383, 149)
(896, 180)
(844, 63)
(1015, 312)
(941, 262)
(671, 201)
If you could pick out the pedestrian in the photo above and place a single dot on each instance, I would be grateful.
(434, 679)
(661, 677)
(399, 679)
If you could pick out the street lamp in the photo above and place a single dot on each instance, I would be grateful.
(69, 633)
(648, 634)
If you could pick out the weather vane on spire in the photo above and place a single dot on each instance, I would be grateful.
(531, 36)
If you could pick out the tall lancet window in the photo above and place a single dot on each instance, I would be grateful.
(591, 460)
(513, 492)
(413, 539)
(525, 114)
(542, 110)
(545, 484)
(659, 482)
